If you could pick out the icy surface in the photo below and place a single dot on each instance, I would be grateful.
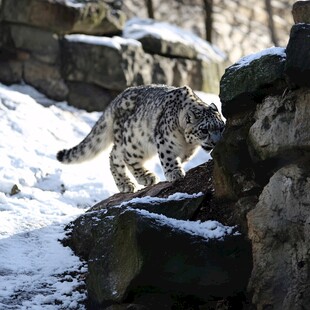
(39, 196)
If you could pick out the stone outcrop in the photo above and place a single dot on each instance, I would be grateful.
(279, 230)
(96, 17)
(144, 248)
(67, 49)
(262, 165)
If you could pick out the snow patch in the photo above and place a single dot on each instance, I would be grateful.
(246, 60)
(115, 42)
(207, 230)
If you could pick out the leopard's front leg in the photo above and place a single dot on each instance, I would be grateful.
(170, 160)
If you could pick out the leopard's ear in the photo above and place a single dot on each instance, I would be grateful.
(190, 117)
(186, 90)
(213, 107)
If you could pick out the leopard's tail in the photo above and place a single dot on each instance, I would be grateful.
(99, 139)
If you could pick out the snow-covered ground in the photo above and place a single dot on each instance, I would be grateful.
(39, 196)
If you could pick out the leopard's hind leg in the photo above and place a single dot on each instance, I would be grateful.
(118, 170)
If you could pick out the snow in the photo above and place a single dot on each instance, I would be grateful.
(246, 60)
(149, 199)
(39, 196)
(137, 28)
(207, 230)
(114, 42)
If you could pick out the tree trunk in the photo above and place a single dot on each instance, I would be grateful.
(208, 6)
(150, 8)
(271, 26)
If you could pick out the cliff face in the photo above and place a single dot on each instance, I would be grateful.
(262, 164)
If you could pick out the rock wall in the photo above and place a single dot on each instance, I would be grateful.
(41, 44)
(262, 164)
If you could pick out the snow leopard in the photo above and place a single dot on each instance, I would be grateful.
(144, 120)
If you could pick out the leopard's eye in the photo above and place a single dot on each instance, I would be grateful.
(204, 130)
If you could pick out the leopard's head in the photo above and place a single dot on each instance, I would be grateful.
(204, 125)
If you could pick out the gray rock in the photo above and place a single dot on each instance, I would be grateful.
(281, 129)
(279, 230)
(233, 165)
(130, 249)
(89, 97)
(65, 17)
(46, 78)
(113, 63)
(297, 67)
(11, 70)
(41, 44)
(172, 42)
(301, 12)
(251, 79)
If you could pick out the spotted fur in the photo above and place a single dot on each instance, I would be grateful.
(146, 120)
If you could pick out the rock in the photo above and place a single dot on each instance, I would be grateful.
(297, 67)
(65, 17)
(172, 42)
(301, 12)
(89, 97)
(11, 69)
(139, 251)
(113, 63)
(185, 209)
(233, 165)
(41, 44)
(279, 230)
(179, 71)
(239, 92)
(122, 247)
(281, 128)
(180, 57)
(45, 78)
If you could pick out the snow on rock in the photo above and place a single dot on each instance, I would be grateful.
(207, 230)
(115, 42)
(246, 60)
(137, 28)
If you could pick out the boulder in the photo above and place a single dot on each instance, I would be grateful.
(133, 252)
(89, 97)
(185, 57)
(11, 69)
(147, 249)
(233, 167)
(279, 231)
(281, 128)
(43, 45)
(113, 63)
(173, 42)
(297, 67)
(63, 17)
(301, 12)
(46, 78)
(239, 92)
